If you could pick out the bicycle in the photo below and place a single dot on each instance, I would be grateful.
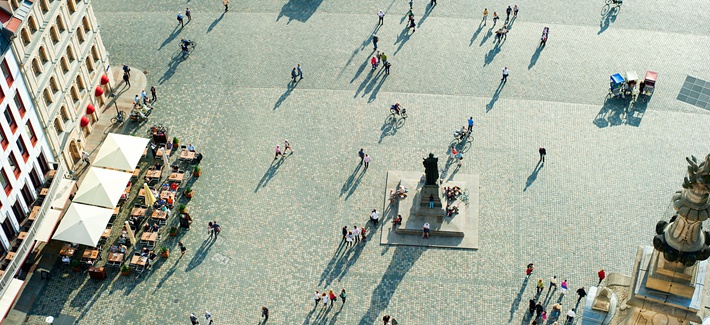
(402, 111)
(119, 118)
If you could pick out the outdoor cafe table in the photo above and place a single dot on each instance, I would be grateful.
(138, 260)
(90, 254)
(22, 235)
(176, 177)
(149, 238)
(160, 215)
(138, 212)
(153, 174)
(33, 214)
(162, 150)
(106, 234)
(115, 258)
(187, 155)
(10, 256)
(166, 194)
(67, 251)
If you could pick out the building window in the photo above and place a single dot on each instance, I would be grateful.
(60, 24)
(2, 95)
(75, 95)
(33, 24)
(14, 167)
(95, 53)
(31, 133)
(3, 139)
(43, 165)
(18, 211)
(4, 182)
(36, 67)
(53, 84)
(20, 104)
(58, 127)
(21, 147)
(80, 83)
(9, 230)
(26, 38)
(89, 65)
(15, 4)
(27, 195)
(86, 24)
(65, 115)
(47, 97)
(44, 6)
(80, 34)
(70, 54)
(43, 55)
(54, 34)
(34, 177)
(6, 72)
(10, 119)
(72, 6)
(65, 65)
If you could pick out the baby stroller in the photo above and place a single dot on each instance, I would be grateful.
(543, 38)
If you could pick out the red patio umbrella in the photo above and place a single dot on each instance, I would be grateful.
(84, 121)
(90, 109)
(98, 91)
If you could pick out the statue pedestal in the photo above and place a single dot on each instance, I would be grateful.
(458, 231)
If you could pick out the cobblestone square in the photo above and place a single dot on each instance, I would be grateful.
(609, 175)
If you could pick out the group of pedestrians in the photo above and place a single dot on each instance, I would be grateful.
(329, 298)
(364, 158)
(181, 18)
(297, 73)
(508, 11)
(278, 152)
(354, 236)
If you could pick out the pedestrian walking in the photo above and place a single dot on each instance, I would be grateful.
(387, 67)
(126, 80)
(356, 235)
(180, 20)
(153, 94)
(126, 70)
(373, 61)
(454, 152)
(540, 285)
(375, 39)
(265, 313)
(300, 72)
(193, 319)
(363, 234)
(383, 56)
(542, 151)
(226, 5)
(425, 230)
(287, 146)
(345, 232)
(343, 295)
(485, 16)
(361, 154)
(381, 16)
(349, 239)
(581, 293)
(182, 248)
(316, 296)
(332, 298)
(543, 316)
(563, 287)
(394, 321)
(459, 157)
(144, 96)
(375, 217)
(410, 4)
(602, 276)
(188, 14)
(217, 229)
(507, 13)
(504, 32)
(324, 297)
(208, 317)
(529, 269)
(294, 74)
(570, 316)
(431, 201)
(539, 309)
(379, 57)
(470, 124)
(553, 283)
(531, 306)
(210, 229)
(278, 152)
(412, 25)
(85, 157)
(515, 11)
(386, 319)
(366, 160)
(505, 74)
(495, 18)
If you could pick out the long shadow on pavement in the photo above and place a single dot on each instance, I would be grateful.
(489, 33)
(200, 254)
(352, 182)
(171, 37)
(402, 38)
(215, 22)
(376, 90)
(516, 303)
(533, 175)
(429, 9)
(402, 261)
(172, 67)
(365, 82)
(390, 126)
(618, 111)
(271, 172)
(341, 262)
(535, 56)
(475, 35)
(494, 99)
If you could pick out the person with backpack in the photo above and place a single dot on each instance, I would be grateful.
(180, 20)
(343, 295)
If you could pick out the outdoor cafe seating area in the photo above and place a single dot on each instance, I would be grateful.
(128, 232)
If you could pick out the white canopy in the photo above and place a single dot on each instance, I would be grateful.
(102, 187)
(122, 152)
(83, 224)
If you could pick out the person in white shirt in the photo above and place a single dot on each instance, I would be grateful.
(375, 217)
(349, 239)
(356, 234)
(325, 299)
(570, 316)
(190, 147)
(316, 296)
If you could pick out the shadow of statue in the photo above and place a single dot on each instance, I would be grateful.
(402, 261)
(533, 175)
(215, 22)
(496, 94)
(271, 172)
(289, 88)
(300, 10)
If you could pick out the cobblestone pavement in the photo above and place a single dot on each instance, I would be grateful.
(607, 180)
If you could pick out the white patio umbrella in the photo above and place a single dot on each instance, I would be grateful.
(102, 187)
(149, 197)
(122, 152)
(83, 224)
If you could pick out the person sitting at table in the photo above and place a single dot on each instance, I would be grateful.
(121, 239)
(154, 228)
(174, 186)
(159, 203)
(114, 249)
(166, 186)
(151, 258)
(158, 166)
(176, 168)
(146, 228)
(122, 249)
(169, 201)
(190, 147)
(169, 146)
(66, 259)
(144, 251)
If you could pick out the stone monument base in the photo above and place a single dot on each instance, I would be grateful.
(458, 231)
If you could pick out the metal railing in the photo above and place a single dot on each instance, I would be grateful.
(26, 245)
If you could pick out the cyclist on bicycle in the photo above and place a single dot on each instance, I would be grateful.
(396, 107)
(185, 41)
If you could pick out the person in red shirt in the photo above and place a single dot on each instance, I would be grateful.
(601, 275)
(373, 61)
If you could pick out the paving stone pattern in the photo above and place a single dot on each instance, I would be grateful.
(599, 194)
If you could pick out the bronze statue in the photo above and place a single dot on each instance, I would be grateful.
(431, 169)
